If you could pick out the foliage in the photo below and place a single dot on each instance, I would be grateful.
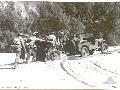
(101, 19)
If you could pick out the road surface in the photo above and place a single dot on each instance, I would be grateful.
(96, 71)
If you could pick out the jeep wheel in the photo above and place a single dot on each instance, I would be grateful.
(85, 51)
(104, 48)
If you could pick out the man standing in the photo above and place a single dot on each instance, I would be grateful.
(19, 48)
(52, 43)
(61, 41)
(32, 46)
(52, 39)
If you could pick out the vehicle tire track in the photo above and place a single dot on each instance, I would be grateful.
(79, 58)
(103, 68)
(81, 81)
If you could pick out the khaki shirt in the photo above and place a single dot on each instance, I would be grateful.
(33, 39)
(53, 39)
(18, 43)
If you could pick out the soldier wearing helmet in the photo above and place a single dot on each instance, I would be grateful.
(52, 38)
(32, 46)
(36, 34)
(61, 40)
(18, 46)
(52, 41)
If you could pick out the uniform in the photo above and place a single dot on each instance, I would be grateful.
(32, 47)
(19, 48)
(51, 45)
(40, 50)
(52, 39)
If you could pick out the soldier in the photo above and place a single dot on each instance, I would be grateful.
(49, 47)
(26, 37)
(32, 46)
(40, 50)
(61, 41)
(76, 43)
(52, 39)
(52, 43)
(19, 49)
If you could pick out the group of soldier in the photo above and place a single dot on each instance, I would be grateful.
(40, 49)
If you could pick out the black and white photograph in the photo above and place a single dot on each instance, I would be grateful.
(59, 45)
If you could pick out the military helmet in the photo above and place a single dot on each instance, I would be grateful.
(53, 33)
(62, 33)
(20, 34)
(35, 33)
(26, 35)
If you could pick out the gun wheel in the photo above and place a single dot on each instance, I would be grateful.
(85, 51)
(104, 48)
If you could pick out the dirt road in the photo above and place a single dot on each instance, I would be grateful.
(96, 71)
(38, 75)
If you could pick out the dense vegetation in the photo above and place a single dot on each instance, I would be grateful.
(101, 19)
